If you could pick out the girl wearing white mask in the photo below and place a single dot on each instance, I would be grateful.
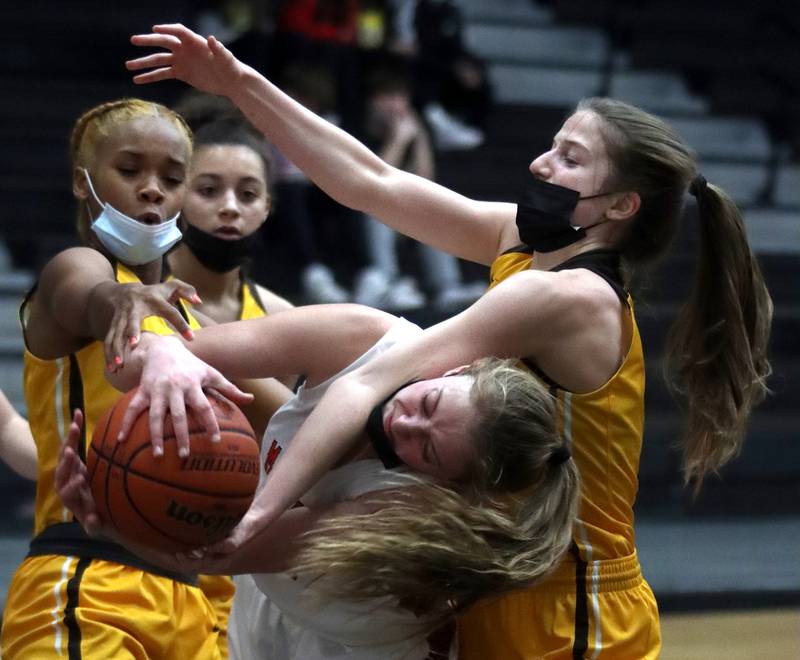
(71, 594)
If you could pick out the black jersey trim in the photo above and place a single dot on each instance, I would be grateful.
(70, 620)
(76, 400)
(250, 284)
(581, 636)
(603, 263)
(69, 539)
(518, 249)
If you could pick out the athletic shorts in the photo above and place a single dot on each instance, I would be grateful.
(600, 609)
(219, 590)
(73, 608)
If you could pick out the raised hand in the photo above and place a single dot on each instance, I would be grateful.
(71, 480)
(133, 303)
(173, 379)
(201, 62)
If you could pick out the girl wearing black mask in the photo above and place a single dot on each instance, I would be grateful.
(605, 201)
(227, 201)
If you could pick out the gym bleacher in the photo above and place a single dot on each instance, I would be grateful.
(732, 90)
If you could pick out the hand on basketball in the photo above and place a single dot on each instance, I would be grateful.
(133, 303)
(71, 480)
(203, 63)
(173, 379)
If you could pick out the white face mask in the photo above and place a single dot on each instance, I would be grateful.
(129, 240)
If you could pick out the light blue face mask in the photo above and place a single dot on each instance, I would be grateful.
(132, 242)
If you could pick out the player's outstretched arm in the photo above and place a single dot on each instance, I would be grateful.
(17, 448)
(338, 163)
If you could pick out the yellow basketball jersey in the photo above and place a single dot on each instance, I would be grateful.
(252, 307)
(54, 388)
(604, 429)
(595, 603)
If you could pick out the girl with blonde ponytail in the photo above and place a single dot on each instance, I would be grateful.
(458, 488)
(603, 201)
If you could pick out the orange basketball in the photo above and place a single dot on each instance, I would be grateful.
(172, 503)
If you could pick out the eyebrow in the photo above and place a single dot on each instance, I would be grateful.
(140, 154)
(573, 143)
(219, 177)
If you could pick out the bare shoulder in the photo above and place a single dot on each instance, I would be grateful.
(570, 322)
(75, 259)
(57, 323)
(272, 301)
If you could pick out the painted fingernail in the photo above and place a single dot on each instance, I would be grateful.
(183, 452)
(117, 360)
(188, 334)
(134, 340)
(196, 299)
(216, 438)
(158, 451)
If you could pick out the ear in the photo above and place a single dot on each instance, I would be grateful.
(624, 207)
(80, 186)
(456, 371)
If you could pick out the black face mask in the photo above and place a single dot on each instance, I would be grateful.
(218, 254)
(377, 434)
(544, 215)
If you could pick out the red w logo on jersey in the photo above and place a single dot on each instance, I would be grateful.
(272, 456)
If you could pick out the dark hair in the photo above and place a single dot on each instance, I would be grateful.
(232, 131)
(717, 347)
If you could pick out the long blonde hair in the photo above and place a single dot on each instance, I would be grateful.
(437, 548)
(717, 347)
(97, 123)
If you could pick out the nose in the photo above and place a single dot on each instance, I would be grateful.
(540, 166)
(151, 191)
(230, 206)
(407, 427)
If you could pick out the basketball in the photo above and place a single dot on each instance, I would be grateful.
(172, 503)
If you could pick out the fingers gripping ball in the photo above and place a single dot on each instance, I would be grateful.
(172, 503)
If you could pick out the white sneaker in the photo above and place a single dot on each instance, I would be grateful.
(461, 295)
(375, 289)
(320, 286)
(404, 295)
(371, 287)
(449, 132)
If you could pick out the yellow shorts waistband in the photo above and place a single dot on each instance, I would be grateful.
(601, 575)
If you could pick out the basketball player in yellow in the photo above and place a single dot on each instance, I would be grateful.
(73, 596)
(227, 201)
(602, 201)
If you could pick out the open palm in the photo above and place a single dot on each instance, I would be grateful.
(201, 62)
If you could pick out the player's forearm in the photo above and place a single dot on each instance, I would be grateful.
(327, 435)
(338, 163)
(17, 448)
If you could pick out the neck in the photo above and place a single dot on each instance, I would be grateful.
(211, 286)
(549, 260)
(360, 451)
(149, 273)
